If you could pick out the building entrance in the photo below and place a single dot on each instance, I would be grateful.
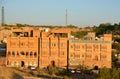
(53, 63)
(22, 63)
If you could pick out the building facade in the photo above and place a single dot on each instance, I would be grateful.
(90, 53)
(41, 48)
(37, 48)
(22, 51)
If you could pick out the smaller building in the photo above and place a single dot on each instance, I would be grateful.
(90, 52)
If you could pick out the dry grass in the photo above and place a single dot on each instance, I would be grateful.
(13, 73)
(10, 73)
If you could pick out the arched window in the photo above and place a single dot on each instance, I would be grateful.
(13, 53)
(17, 53)
(9, 53)
(26, 53)
(31, 53)
(22, 53)
(35, 54)
(53, 63)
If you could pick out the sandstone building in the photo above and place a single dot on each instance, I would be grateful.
(91, 52)
(41, 48)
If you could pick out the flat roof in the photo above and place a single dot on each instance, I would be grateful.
(88, 41)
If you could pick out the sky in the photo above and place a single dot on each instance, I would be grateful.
(81, 13)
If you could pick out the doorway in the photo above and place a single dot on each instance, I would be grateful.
(22, 63)
(53, 63)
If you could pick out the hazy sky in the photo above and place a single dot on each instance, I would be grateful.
(52, 12)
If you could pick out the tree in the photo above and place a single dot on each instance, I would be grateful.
(108, 74)
(104, 74)
(114, 59)
(115, 74)
(79, 34)
(20, 25)
(116, 46)
(72, 26)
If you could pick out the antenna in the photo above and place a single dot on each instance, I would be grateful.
(2, 13)
(66, 17)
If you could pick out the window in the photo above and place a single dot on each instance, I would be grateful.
(53, 44)
(13, 53)
(83, 47)
(25, 34)
(77, 47)
(9, 53)
(53, 53)
(71, 46)
(17, 53)
(89, 50)
(71, 55)
(103, 47)
(103, 57)
(22, 53)
(88, 56)
(62, 53)
(77, 56)
(96, 58)
(44, 62)
(89, 47)
(82, 55)
(31, 53)
(22, 44)
(96, 46)
(35, 54)
(26, 53)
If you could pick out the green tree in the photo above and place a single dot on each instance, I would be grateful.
(108, 74)
(79, 34)
(71, 26)
(104, 74)
(115, 74)
(114, 58)
(116, 46)
(20, 25)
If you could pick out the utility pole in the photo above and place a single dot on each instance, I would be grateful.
(2, 23)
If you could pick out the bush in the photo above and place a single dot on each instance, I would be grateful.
(108, 74)
(61, 72)
(51, 70)
(66, 77)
